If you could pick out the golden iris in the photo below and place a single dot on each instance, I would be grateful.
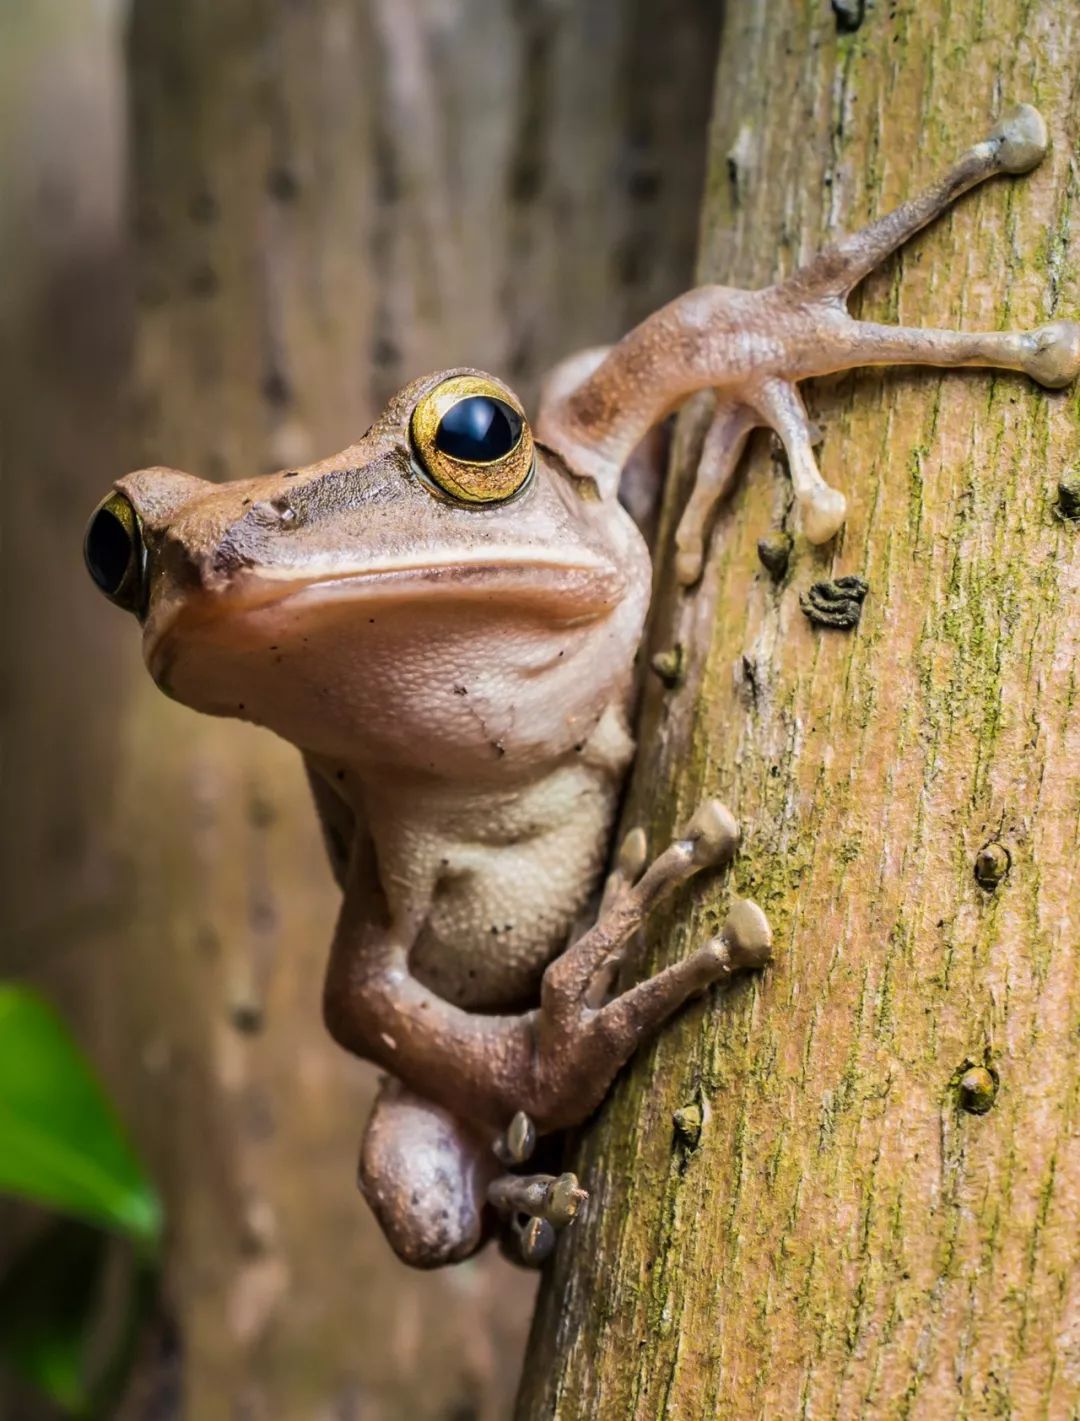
(473, 440)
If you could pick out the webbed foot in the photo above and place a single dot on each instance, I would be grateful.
(584, 1035)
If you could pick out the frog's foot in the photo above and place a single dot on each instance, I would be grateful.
(536, 1207)
(813, 300)
(582, 1038)
(753, 347)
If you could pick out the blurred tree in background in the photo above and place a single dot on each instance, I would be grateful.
(305, 206)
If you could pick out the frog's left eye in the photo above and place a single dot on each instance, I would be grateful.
(473, 440)
(114, 554)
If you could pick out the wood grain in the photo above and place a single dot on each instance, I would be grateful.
(847, 1239)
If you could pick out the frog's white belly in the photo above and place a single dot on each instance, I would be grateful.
(504, 877)
(501, 911)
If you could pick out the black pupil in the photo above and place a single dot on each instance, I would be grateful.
(478, 430)
(108, 551)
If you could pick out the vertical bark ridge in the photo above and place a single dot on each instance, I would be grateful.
(847, 1238)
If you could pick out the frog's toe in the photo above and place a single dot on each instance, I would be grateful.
(1021, 138)
(556, 1198)
(535, 1241)
(713, 832)
(1055, 356)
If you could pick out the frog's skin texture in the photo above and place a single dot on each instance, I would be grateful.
(454, 660)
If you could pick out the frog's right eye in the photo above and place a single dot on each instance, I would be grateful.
(472, 440)
(114, 553)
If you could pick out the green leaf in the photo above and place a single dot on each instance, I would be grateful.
(47, 1303)
(60, 1141)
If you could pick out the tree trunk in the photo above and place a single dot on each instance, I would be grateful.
(329, 199)
(879, 1217)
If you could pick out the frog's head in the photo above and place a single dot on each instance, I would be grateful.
(442, 593)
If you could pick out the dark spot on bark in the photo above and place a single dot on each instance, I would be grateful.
(992, 863)
(849, 15)
(526, 176)
(384, 352)
(203, 282)
(282, 184)
(629, 261)
(462, 1411)
(387, 181)
(643, 183)
(835, 604)
(275, 389)
(203, 207)
(1068, 499)
(774, 552)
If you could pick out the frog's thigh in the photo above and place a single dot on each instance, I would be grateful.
(425, 1175)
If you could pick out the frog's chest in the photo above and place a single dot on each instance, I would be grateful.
(496, 883)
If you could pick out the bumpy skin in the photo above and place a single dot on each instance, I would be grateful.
(458, 678)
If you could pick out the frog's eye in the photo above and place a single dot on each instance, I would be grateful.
(113, 549)
(472, 440)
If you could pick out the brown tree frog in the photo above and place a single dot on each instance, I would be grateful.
(444, 618)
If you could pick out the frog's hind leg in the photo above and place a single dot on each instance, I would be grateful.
(425, 1174)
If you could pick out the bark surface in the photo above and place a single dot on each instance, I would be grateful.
(326, 199)
(846, 1236)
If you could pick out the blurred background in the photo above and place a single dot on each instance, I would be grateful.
(228, 232)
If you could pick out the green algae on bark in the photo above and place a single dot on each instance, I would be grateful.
(849, 1238)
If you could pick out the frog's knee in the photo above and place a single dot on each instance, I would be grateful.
(425, 1175)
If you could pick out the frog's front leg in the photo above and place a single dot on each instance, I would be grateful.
(752, 348)
(556, 1062)
(583, 1039)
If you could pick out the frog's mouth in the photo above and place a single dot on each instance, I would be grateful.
(242, 608)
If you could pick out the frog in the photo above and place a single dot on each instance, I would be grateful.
(444, 619)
